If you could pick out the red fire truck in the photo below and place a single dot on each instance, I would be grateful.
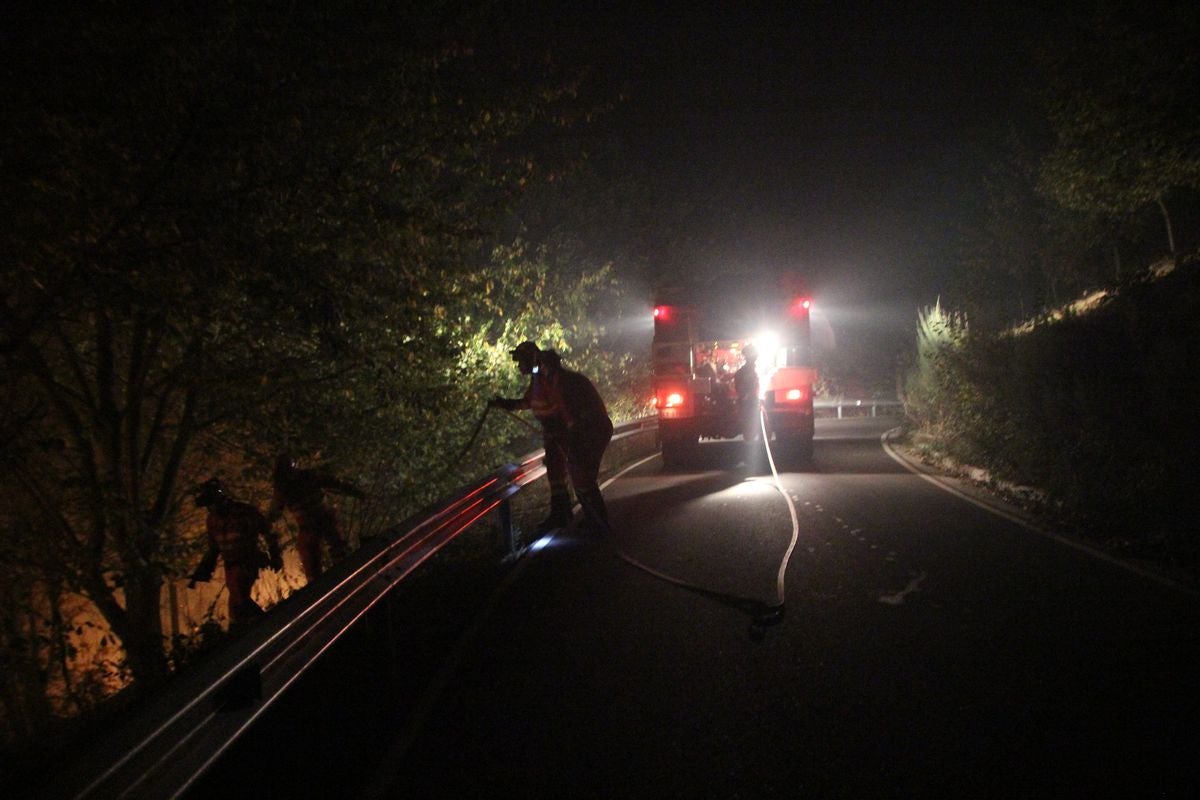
(700, 333)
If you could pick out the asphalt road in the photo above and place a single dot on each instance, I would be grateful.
(928, 647)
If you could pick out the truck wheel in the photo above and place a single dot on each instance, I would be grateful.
(804, 450)
(678, 452)
(798, 450)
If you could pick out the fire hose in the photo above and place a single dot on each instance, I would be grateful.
(474, 435)
(762, 614)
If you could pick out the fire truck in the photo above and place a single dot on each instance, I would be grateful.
(701, 334)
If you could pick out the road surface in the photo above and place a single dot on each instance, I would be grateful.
(927, 647)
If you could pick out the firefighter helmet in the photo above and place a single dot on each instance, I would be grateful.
(209, 493)
(524, 350)
(284, 464)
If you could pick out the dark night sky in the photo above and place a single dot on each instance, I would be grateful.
(844, 139)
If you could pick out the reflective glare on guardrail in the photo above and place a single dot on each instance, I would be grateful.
(855, 407)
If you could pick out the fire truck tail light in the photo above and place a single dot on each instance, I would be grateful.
(668, 399)
(673, 401)
(795, 394)
(801, 306)
(662, 314)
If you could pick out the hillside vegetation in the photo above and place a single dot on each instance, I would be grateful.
(1094, 407)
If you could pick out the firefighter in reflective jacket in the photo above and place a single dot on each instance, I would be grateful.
(302, 492)
(583, 415)
(233, 532)
(538, 399)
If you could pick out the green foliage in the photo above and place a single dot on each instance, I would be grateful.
(1094, 409)
(1122, 101)
(1028, 252)
(1084, 201)
(935, 389)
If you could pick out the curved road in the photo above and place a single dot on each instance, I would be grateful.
(929, 647)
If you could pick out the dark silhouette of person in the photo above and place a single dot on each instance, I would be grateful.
(302, 492)
(581, 410)
(234, 530)
(745, 384)
(718, 386)
(538, 399)
(706, 368)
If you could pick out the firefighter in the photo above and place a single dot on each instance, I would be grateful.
(302, 492)
(589, 429)
(538, 399)
(705, 368)
(233, 532)
(718, 380)
(745, 384)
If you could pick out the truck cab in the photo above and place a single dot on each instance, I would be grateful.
(701, 335)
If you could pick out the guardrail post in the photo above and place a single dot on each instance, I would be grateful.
(242, 690)
(509, 532)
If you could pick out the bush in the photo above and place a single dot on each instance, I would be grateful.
(1095, 408)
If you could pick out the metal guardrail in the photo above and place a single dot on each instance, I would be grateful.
(841, 404)
(166, 747)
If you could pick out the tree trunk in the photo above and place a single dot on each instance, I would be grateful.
(25, 711)
(173, 608)
(142, 631)
(60, 647)
(1167, 219)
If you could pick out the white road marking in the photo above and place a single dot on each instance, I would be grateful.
(1011, 517)
(898, 598)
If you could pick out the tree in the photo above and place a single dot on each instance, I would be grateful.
(1027, 253)
(1122, 102)
(267, 229)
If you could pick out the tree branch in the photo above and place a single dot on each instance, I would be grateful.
(83, 445)
(142, 347)
(73, 361)
(183, 439)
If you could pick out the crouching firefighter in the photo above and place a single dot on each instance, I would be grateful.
(234, 530)
(539, 398)
(589, 429)
(302, 492)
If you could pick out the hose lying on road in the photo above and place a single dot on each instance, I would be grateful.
(776, 613)
(762, 614)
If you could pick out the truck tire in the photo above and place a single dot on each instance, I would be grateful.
(678, 451)
(804, 450)
(797, 450)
